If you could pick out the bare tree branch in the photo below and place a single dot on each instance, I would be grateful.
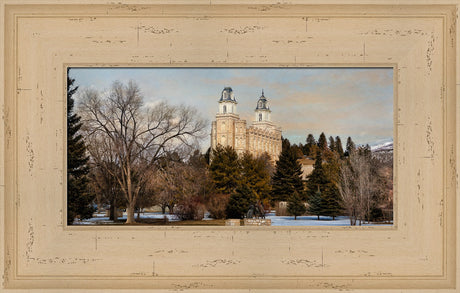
(138, 135)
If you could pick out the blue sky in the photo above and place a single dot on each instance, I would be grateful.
(356, 102)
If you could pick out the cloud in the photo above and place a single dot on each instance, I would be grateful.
(355, 102)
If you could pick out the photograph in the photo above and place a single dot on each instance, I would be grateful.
(204, 146)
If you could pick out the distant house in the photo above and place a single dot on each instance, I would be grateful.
(307, 167)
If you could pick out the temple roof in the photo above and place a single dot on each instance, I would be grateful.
(227, 95)
(262, 103)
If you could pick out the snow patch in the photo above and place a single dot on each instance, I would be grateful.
(101, 219)
(385, 146)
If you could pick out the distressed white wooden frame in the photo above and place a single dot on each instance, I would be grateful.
(38, 251)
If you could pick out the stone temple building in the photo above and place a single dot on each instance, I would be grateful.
(229, 130)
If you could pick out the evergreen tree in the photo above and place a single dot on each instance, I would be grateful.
(351, 147)
(240, 201)
(322, 142)
(331, 165)
(255, 175)
(225, 169)
(288, 174)
(310, 147)
(338, 146)
(365, 151)
(295, 205)
(331, 203)
(79, 198)
(297, 151)
(311, 140)
(301, 148)
(317, 179)
(323, 195)
(332, 145)
(315, 203)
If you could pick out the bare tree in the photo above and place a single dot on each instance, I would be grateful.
(347, 192)
(385, 183)
(146, 197)
(365, 185)
(357, 186)
(139, 135)
(182, 184)
(193, 187)
(104, 183)
(167, 181)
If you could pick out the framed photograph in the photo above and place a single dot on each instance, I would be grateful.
(205, 153)
(415, 44)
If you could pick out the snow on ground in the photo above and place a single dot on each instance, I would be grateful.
(102, 219)
(311, 221)
(276, 220)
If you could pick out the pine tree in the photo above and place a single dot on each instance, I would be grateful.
(255, 174)
(295, 205)
(225, 169)
(338, 146)
(240, 201)
(317, 178)
(311, 139)
(332, 146)
(297, 151)
(331, 201)
(351, 147)
(288, 174)
(365, 151)
(331, 167)
(315, 204)
(79, 199)
(323, 195)
(310, 147)
(322, 142)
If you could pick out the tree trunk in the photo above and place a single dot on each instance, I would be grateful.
(113, 216)
(111, 212)
(163, 209)
(130, 196)
(318, 217)
(130, 214)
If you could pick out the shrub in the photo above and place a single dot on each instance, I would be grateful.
(191, 209)
(216, 206)
(376, 215)
(239, 202)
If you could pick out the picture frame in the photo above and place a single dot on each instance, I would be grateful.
(41, 40)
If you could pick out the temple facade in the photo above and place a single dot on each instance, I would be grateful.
(229, 130)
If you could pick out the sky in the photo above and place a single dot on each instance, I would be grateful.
(355, 102)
